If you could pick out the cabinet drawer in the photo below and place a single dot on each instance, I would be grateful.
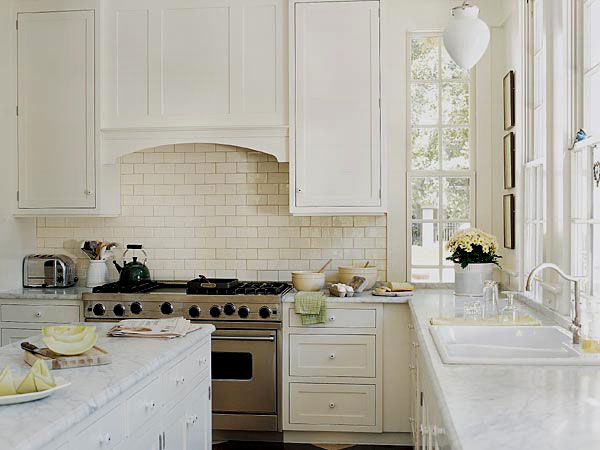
(175, 381)
(39, 313)
(199, 361)
(340, 318)
(104, 434)
(332, 355)
(332, 404)
(144, 405)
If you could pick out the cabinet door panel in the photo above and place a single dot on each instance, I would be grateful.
(338, 153)
(198, 418)
(56, 109)
(10, 335)
(195, 60)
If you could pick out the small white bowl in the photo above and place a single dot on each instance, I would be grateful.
(308, 281)
(345, 274)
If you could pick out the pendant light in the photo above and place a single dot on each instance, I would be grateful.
(466, 36)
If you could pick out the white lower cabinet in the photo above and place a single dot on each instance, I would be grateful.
(150, 418)
(22, 318)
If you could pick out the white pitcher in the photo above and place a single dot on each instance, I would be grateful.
(97, 273)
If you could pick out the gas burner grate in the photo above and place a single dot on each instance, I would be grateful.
(261, 288)
(122, 288)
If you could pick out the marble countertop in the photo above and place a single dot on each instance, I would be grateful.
(34, 425)
(508, 407)
(361, 297)
(70, 293)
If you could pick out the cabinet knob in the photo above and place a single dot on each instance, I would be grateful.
(411, 326)
(180, 380)
(38, 314)
(411, 420)
(151, 404)
(105, 439)
(331, 318)
(415, 344)
(411, 367)
(191, 420)
(87, 192)
(332, 356)
(203, 361)
(332, 405)
(299, 189)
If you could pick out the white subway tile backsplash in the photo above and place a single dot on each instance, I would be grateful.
(220, 211)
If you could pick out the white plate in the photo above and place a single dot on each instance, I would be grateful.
(23, 398)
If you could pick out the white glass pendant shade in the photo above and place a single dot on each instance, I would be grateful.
(466, 37)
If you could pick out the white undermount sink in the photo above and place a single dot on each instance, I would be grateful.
(505, 345)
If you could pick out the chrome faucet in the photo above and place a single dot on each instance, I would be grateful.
(576, 324)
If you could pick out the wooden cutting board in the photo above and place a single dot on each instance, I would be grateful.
(96, 356)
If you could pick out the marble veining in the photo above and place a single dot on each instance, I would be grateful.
(70, 293)
(34, 425)
(508, 407)
(362, 297)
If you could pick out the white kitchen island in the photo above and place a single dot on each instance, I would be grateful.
(155, 395)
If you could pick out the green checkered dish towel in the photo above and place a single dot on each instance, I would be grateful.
(311, 306)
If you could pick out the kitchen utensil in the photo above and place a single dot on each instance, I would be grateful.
(133, 271)
(61, 383)
(366, 264)
(96, 356)
(308, 281)
(325, 265)
(203, 285)
(97, 273)
(345, 274)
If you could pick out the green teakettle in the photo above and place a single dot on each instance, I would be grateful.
(133, 271)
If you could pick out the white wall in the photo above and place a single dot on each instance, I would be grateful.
(17, 236)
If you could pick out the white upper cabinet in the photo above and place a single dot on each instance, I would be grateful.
(336, 156)
(55, 122)
(196, 66)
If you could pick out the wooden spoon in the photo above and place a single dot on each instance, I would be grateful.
(366, 265)
(326, 264)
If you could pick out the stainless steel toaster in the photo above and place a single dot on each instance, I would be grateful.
(48, 271)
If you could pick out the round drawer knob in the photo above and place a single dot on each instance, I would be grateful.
(180, 380)
(331, 318)
(332, 405)
(332, 356)
(38, 314)
(151, 404)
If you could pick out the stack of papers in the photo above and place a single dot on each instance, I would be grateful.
(153, 328)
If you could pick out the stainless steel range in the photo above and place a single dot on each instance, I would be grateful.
(246, 348)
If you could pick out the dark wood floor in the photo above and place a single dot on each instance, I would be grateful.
(237, 445)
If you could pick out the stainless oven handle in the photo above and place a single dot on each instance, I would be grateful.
(244, 338)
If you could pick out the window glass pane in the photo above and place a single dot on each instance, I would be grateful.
(455, 148)
(538, 24)
(448, 229)
(424, 103)
(582, 175)
(539, 127)
(425, 250)
(595, 191)
(530, 204)
(580, 248)
(538, 77)
(451, 70)
(425, 275)
(595, 282)
(530, 247)
(457, 198)
(592, 100)
(455, 103)
(425, 197)
(593, 35)
(425, 57)
(425, 149)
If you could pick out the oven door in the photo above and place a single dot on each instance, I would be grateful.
(244, 371)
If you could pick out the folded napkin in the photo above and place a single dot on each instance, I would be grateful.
(523, 320)
(311, 306)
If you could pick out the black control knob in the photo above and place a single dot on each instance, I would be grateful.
(215, 311)
(195, 311)
(244, 312)
(99, 309)
(166, 308)
(119, 310)
(229, 309)
(136, 307)
(264, 312)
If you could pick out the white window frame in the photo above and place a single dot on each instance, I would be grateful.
(534, 164)
(440, 174)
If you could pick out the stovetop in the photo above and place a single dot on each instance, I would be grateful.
(199, 299)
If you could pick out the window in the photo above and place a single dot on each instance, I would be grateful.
(441, 180)
(535, 158)
(585, 193)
